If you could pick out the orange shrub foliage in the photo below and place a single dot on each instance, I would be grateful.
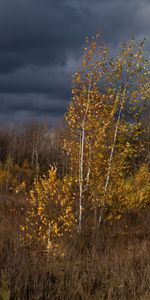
(50, 215)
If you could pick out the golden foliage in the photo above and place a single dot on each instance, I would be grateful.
(104, 118)
(50, 215)
(107, 172)
(129, 194)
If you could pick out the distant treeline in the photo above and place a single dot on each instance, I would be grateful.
(28, 149)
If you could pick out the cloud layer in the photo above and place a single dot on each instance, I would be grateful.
(41, 44)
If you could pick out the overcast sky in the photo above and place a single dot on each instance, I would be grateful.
(41, 43)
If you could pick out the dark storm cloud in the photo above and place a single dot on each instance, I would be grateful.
(37, 104)
(41, 43)
(37, 32)
(36, 80)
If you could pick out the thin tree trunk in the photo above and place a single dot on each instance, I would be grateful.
(37, 164)
(112, 153)
(81, 161)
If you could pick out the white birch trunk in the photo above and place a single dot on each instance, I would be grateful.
(112, 151)
(81, 161)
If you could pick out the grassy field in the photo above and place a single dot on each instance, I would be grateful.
(115, 264)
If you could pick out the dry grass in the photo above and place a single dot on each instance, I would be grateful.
(114, 266)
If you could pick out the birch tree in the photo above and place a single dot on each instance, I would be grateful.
(104, 119)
